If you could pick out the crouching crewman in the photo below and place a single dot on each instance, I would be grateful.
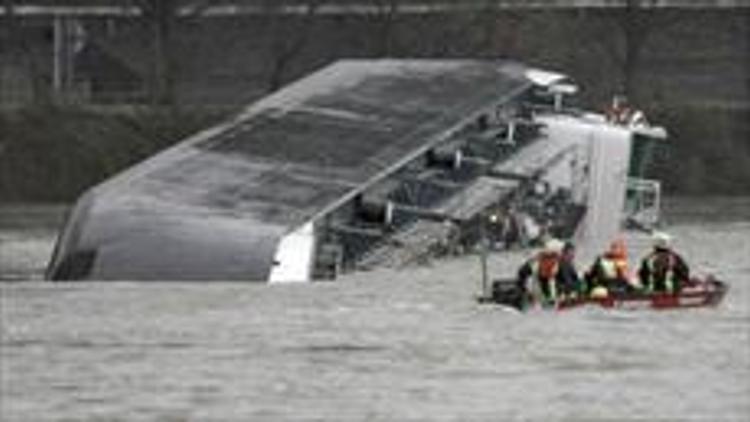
(542, 273)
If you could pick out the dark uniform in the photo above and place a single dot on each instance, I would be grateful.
(663, 271)
(567, 274)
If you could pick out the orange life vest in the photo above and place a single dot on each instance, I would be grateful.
(547, 265)
(615, 266)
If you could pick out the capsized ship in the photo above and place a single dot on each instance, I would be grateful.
(364, 163)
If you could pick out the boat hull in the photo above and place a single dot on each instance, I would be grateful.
(699, 293)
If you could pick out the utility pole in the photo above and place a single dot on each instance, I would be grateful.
(483, 256)
(58, 53)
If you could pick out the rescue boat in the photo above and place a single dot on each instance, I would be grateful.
(698, 293)
(707, 292)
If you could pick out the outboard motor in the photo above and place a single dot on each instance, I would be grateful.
(508, 292)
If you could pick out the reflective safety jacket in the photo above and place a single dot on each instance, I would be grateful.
(543, 269)
(663, 270)
(614, 268)
(606, 270)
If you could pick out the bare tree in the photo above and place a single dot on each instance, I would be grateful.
(159, 17)
(10, 24)
(162, 19)
(386, 13)
(628, 31)
(21, 51)
(286, 42)
(499, 31)
(635, 25)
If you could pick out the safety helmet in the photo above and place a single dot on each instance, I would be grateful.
(617, 248)
(599, 292)
(661, 240)
(553, 246)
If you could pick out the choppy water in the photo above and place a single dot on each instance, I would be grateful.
(383, 345)
(27, 235)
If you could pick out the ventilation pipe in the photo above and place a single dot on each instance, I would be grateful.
(445, 159)
(374, 210)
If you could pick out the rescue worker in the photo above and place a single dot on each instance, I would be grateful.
(543, 270)
(450, 242)
(610, 270)
(570, 282)
(619, 111)
(663, 270)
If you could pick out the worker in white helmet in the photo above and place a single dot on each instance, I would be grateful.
(543, 270)
(663, 270)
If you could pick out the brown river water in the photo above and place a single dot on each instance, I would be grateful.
(384, 345)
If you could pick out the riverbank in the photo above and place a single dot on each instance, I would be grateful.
(705, 209)
(53, 154)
